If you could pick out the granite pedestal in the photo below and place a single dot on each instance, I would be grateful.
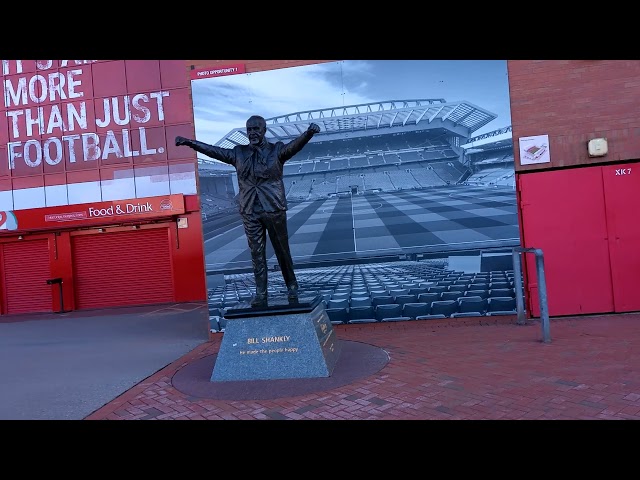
(281, 340)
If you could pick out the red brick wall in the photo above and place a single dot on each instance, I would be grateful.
(573, 101)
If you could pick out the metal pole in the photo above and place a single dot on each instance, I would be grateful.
(542, 293)
(542, 289)
(517, 285)
(61, 298)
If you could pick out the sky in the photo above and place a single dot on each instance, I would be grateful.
(224, 103)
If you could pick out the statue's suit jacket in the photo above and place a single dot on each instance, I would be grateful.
(259, 169)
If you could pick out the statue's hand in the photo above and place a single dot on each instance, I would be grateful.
(181, 141)
(314, 128)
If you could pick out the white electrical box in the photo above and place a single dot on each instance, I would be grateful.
(598, 147)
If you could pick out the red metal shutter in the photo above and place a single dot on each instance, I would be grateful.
(563, 214)
(122, 268)
(26, 268)
(621, 188)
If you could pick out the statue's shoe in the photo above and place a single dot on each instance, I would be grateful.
(259, 301)
(292, 293)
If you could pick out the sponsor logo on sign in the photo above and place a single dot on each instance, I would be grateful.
(8, 221)
(166, 204)
(65, 217)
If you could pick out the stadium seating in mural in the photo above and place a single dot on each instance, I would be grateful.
(377, 292)
(381, 164)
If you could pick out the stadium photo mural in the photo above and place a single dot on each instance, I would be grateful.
(414, 160)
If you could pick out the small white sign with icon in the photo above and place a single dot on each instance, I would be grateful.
(534, 150)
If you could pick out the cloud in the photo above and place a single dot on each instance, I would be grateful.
(222, 104)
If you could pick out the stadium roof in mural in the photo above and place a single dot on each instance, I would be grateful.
(496, 139)
(369, 116)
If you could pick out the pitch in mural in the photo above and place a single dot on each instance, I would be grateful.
(412, 157)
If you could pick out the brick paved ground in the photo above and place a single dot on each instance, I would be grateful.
(454, 369)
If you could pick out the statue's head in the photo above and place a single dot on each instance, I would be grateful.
(256, 129)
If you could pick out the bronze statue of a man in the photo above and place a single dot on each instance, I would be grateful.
(263, 204)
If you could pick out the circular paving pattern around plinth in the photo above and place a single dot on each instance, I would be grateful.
(356, 361)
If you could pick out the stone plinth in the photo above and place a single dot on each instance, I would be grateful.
(282, 340)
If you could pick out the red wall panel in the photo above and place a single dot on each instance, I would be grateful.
(47, 64)
(149, 145)
(188, 260)
(53, 157)
(18, 66)
(4, 166)
(81, 79)
(143, 75)
(27, 159)
(82, 176)
(173, 74)
(563, 213)
(178, 107)
(104, 108)
(622, 194)
(186, 130)
(26, 66)
(4, 129)
(112, 148)
(28, 182)
(109, 78)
